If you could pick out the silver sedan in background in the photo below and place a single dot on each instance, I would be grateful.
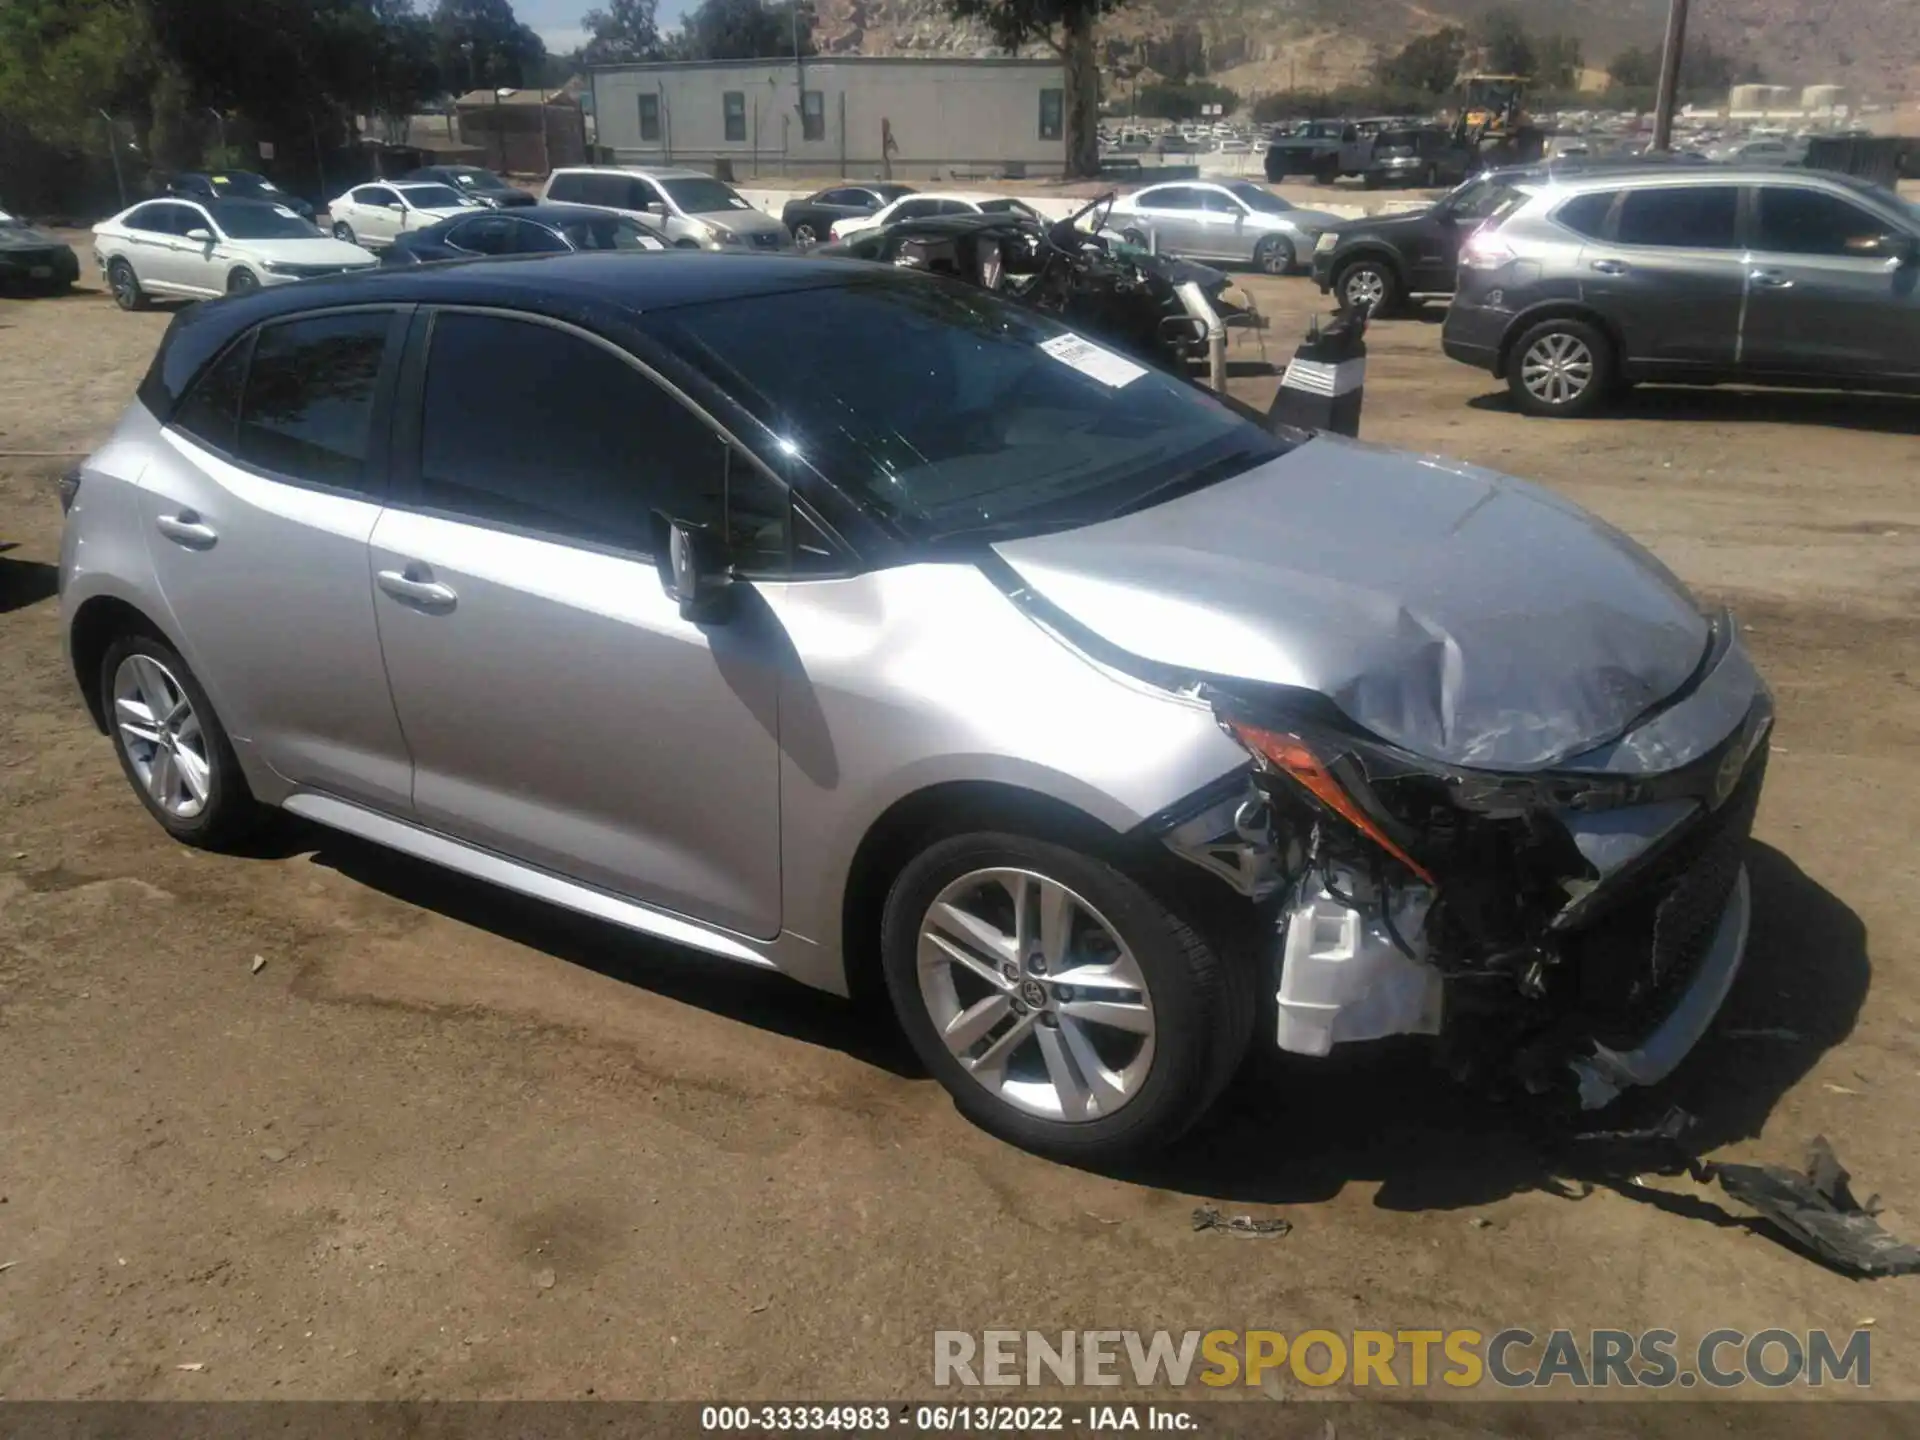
(1234, 220)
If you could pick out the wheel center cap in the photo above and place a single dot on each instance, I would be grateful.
(1034, 993)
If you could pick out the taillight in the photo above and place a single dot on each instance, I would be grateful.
(69, 487)
(1485, 250)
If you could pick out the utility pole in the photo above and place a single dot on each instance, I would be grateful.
(113, 152)
(1669, 74)
(221, 121)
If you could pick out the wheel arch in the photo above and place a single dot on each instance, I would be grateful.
(96, 624)
(1355, 251)
(1556, 310)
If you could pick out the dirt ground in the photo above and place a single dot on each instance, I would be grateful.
(446, 1143)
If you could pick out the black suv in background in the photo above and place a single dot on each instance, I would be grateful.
(1382, 261)
(473, 182)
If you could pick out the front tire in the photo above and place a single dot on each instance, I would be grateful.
(805, 237)
(242, 282)
(1062, 1005)
(1561, 368)
(1274, 255)
(172, 747)
(125, 285)
(1372, 284)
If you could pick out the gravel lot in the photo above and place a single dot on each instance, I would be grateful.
(447, 1143)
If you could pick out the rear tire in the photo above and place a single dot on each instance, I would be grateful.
(344, 232)
(125, 285)
(1561, 368)
(172, 747)
(1109, 1069)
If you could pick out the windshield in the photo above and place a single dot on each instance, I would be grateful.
(941, 408)
(434, 197)
(1478, 199)
(480, 180)
(698, 195)
(608, 232)
(241, 185)
(256, 220)
(1259, 199)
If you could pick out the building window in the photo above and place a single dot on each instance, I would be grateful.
(736, 108)
(1053, 108)
(650, 119)
(813, 115)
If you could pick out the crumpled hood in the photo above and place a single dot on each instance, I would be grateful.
(1467, 616)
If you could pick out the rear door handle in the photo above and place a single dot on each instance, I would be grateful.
(1770, 280)
(416, 586)
(1610, 267)
(187, 529)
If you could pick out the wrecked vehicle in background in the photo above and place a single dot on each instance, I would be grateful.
(1165, 311)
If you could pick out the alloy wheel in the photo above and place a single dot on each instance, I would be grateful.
(1276, 256)
(344, 232)
(1036, 995)
(126, 289)
(1557, 368)
(164, 743)
(803, 235)
(1365, 288)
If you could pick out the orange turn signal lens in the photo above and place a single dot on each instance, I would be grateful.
(1289, 753)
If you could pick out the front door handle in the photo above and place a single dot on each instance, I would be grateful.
(416, 586)
(1770, 280)
(188, 529)
(1610, 267)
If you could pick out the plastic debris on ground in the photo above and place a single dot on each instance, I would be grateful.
(1205, 1217)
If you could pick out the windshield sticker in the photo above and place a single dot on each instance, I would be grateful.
(1090, 360)
(283, 210)
(219, 179)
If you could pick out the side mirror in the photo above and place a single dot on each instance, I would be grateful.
(200, 235)
(1891, 246)
(693, 567)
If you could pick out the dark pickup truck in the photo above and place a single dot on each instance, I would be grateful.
(1382, 261)
(1324, 149)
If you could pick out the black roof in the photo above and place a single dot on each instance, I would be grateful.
(597, 289)
(543, 214)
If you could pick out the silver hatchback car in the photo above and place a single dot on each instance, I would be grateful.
(972, 663)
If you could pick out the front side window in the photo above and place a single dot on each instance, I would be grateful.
(942, 408)
(1794, 221)
(734, 102)
(528, 238)
(308, 408)
(1681, 217)
(650, 119)
(813, 115)
(1053, 111)
(434, 197)
(1214, 202)
(1255, 198)
(588, 454)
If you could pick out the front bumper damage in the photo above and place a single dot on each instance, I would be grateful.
(1571, 931)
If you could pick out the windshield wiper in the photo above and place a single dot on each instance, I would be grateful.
(961, 536)
(1187, 481)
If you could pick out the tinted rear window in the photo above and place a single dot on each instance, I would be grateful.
(1682, 217)
(308, 411)
(1587, 214)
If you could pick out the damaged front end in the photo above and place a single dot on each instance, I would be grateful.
(1572, 929)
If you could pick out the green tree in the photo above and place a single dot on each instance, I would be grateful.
(1429, 63)
(1635, 68)
(746, 30)
(626, 30)
(1184, 100)
(1067, 26)
(1505, 47)
(481, 44)
(63, 61)
(1558, 62)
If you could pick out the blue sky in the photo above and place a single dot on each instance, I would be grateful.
(558, 21)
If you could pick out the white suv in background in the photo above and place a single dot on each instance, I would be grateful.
(918, 207)
(375, 214)
(695, 211)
